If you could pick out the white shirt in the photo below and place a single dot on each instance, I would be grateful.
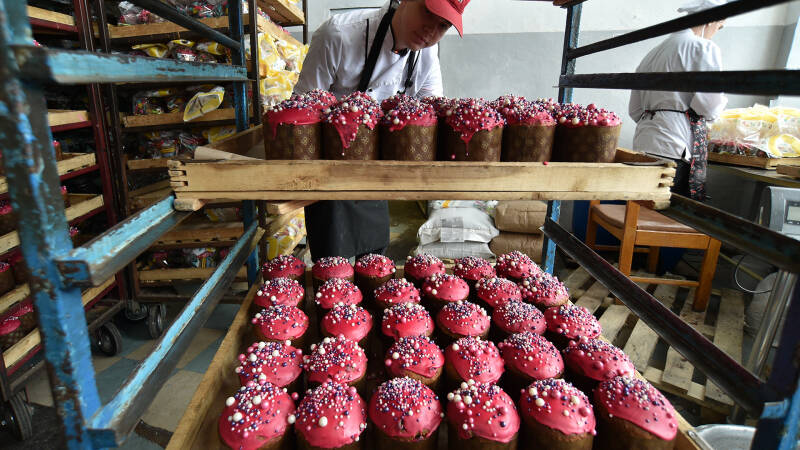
(338, 53)
(668, 134)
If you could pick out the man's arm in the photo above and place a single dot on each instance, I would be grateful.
(432, 86)
(322, 60)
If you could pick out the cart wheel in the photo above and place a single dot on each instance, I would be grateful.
(135, 311)
(156, 315)
(108, 339)
(18, 417)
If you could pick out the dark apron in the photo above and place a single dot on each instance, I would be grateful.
(353, 227)
(699, 152)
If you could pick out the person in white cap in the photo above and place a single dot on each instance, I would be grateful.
(383, 52)
(673, 124)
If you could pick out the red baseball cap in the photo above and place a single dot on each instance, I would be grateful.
(449, 10)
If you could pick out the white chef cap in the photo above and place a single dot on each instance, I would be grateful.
(693, 6)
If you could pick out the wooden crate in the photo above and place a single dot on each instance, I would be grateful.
(623, 329)
(411, 180)
(198, 427)
(169, 276)
(72, 162)
(752, 161)
(789, 171)
(282, 12)
(204, 234)
(176, 118)
(61, 117)
(82, 204)
(50, 16)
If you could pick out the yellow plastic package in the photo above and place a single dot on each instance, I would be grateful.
(757, 131)
(203, 103)
(154, 50)
(216, 134)
(284, 241)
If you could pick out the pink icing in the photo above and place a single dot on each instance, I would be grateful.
(337, 359)
(263, 413)
(405, 408)
(337, 291)
(270, 362)
(446, 287)
(416, 354)
(572, 321)
(283, 266)
(496, 291)
(291, 112)
(516, 265)
(410, 112)
(516, 316)
(544, 290)
(5, 208)
(440, 104)
(463, 319)
(483, 410)
(332, 267)
(331, 416)
(4, 266)
(573, 115)
(471, 116)
(597, 359)
(558, 405)
(372, 265)
(406, 319)
(475, 359)
(350, 321)
(638, 402)
(396, 291)
(473, 268)
(24, 308)
(533, 355)
(392, 102)
(281, 322)
(279, 291)
(423, 265)
(354, 110)
(520, 111)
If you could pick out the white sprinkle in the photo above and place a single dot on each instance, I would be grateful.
(230, 401)
(237, 416)
(291, 419)
(257, 400)
(539, 402)
(323, 421)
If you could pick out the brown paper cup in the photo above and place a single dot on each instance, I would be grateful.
(585, 144)
(363, 148)
(485, 145)
(528, 143)
(412, 143)
(293, 142)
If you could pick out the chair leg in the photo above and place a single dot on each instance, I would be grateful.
(652, 259)
(707, 270)
(591, 226)
(628, 238)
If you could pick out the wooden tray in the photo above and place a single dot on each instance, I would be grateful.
(752, 161)
(410, 180)
(282, 12)
(790, 171)
(198, 426)
(176, 118)
(72, 162)
(62, 117)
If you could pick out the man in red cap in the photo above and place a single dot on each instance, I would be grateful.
(381, 52)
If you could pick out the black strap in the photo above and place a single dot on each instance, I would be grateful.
(411, 64)
(650, 113)
(375, 50)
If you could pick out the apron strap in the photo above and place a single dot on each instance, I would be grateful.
(375, 50)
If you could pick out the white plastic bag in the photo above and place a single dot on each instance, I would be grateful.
(457, 225)
(453, 250)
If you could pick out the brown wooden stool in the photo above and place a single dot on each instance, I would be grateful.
(640, 226)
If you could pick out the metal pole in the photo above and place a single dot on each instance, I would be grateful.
(170, 13)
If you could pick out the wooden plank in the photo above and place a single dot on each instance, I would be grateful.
(164, 275)
(791, 171)
(577, 279)
(50, 16)
(19, 350)
(282, 12)
(176, 118)
(71, 163)
(695, 393)
(564, 180)
(157, 186)
(643, 339)
(205, 231)
(752, 161)
(277, 208)
(17, 294)
(612, 321)
(728, 336)
(695, 318)
(148, 164)
(241, 142)
(59, 117)
(677, 370)
(593, 297)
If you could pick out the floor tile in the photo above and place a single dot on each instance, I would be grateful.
(170, 404)
(141, 351)
(38, 388)
(222, 316)
(201, 362)
(109, 380)
(200, 342)
(136, 442)
(102, 362)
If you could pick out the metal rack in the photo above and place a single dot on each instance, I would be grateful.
(775, 401)
(58, 271)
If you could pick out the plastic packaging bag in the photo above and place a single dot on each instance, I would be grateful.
(216, 134)
(153, 50)
(757, 131)
(203, 103)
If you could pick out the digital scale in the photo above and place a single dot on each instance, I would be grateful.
(780, 210)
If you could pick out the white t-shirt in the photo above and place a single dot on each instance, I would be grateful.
(338, 53)
(668, 134)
